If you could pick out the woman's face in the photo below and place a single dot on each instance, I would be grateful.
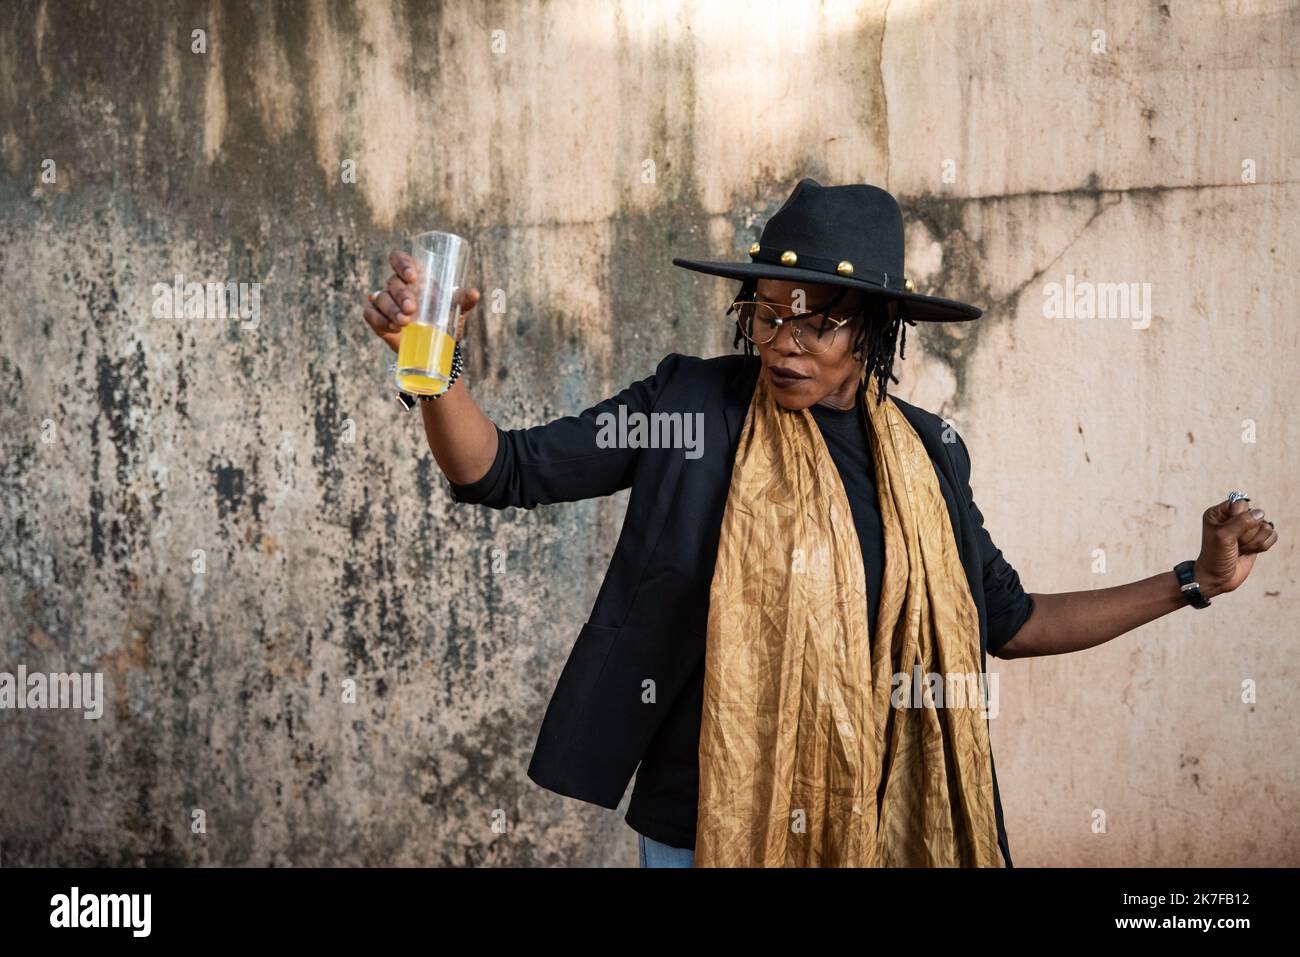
(798, 379)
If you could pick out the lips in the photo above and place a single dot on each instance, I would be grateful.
(785, 377)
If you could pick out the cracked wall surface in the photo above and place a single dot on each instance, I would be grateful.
(580, 146)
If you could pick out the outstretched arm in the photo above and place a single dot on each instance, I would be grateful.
(462, 439)
(1232, 535)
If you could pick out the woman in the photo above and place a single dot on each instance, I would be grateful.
(731, 659)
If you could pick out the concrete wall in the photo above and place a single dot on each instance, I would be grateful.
(1025, 148)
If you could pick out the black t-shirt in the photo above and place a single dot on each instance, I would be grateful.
(665, 804)
(845, 434)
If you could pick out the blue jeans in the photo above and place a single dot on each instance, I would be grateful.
(656, 854)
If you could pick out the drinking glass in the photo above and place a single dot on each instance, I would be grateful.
(427, 343)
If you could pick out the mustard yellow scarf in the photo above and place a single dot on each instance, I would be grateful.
(804, 762)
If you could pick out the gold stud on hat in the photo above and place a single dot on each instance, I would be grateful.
(788, 258)
(845, 268)
(753, 249)
(909, 285)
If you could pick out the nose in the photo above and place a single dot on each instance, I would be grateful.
(785, 342)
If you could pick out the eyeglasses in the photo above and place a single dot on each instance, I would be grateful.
(761, 322)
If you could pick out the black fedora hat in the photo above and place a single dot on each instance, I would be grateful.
(841, 236)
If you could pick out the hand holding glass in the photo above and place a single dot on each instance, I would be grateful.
(427, 343)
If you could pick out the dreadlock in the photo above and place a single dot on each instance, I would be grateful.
(877, 334)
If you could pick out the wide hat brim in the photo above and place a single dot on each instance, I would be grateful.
(920, 308)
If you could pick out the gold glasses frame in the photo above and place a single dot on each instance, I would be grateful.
(776, 315)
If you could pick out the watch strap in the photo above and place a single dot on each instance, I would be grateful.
(1186, 572)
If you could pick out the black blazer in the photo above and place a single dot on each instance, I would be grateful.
(651, 612)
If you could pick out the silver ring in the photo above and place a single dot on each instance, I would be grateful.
(375, 294)
(1234, 496)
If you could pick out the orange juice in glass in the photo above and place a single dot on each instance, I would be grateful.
(427, 343)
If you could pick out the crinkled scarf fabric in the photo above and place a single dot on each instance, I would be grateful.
(811, 753)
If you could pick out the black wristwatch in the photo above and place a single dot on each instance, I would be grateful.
(1186, 572)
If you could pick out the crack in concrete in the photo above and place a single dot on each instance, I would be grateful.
(1017, 291)
(884, 90)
